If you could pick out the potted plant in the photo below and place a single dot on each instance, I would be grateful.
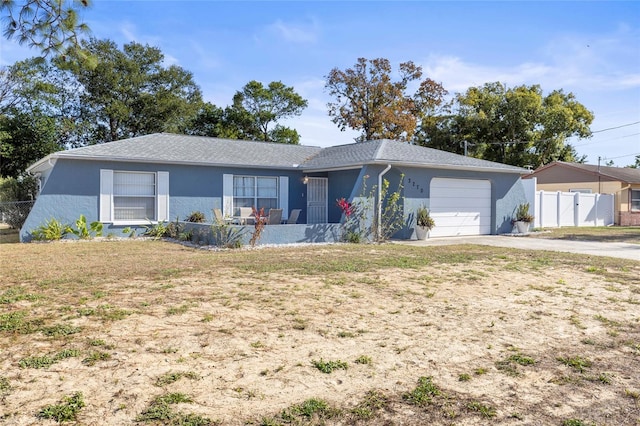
(523, 218)
(424, 223)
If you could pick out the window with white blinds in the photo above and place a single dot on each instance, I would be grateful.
(255, 191)
(134, 196)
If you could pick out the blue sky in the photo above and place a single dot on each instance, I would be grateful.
(589, 48)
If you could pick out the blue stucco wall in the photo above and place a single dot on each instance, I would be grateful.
(73, 188)
(341, 185)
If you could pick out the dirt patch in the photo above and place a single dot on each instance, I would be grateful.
(499, 337)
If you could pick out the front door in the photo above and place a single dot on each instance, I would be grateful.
(317, 194)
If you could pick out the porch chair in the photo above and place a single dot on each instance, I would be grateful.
(217, 215)
(246, 216)
(275, 217)
(293, 216)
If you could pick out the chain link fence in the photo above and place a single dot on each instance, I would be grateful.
(14, 213)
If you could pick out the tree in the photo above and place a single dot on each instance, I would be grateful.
(52, 26)
(517, 126)
(265, 106)
(130, 93)
(635, 165)
(368, 100)
(39, 114)
(8, 90)
(26, 138)
(42, 88)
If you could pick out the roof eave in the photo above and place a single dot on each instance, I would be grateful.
(451, 167)
(43, 164)
(177, 162)
(331, 169)
(519, 171)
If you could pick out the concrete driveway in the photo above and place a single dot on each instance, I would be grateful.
(620, 250)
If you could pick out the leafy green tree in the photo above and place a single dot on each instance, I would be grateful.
(213, 121)
(52, 26)
(256, 108)
(518, 126)
(635, 165)
(209, 121)
(41, 87)
(25, 139)
(130, 93)
(21, 188)
(367, 99)
(8, 86)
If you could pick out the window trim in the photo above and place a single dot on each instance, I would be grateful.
(154, 197)
(632, 199)
(256, 187)
(106, 208)
(227, 193)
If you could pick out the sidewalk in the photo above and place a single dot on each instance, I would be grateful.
(619, 250)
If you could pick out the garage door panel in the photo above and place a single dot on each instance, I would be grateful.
(482, 206)
(476, 193)
(444, 221)
(450, 183)
(460, 206)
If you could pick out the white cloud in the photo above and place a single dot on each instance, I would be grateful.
(204, 57)
(130, 33)
(457, 75)
(296, 33)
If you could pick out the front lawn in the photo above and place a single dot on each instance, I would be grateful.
(606, 234)
(148, 332)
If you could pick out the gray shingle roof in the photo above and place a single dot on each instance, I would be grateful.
(171, 148)
(182, 149)
(394, 152)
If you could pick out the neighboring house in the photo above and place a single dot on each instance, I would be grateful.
(162, 177)
(622, 182)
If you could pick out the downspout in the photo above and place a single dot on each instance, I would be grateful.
(379, 215)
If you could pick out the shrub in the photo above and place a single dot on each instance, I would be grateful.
(155, 230)
(362, 223)
(259, 221)
(226, 236)
(16, 198)
(175, 229)
(52, 230)
(196, 217)
(82, 231)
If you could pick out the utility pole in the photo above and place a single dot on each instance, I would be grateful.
(599, 182)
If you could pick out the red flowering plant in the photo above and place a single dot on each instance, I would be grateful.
(345, 206)
(351, 231)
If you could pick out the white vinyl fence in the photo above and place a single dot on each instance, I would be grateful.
(556, 209)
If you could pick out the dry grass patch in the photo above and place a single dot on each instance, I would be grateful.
(330, 334)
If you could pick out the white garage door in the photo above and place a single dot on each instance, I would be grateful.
(460, 207)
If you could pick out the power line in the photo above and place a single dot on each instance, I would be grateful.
(617, 127)
(606, 140)
(622, 156)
